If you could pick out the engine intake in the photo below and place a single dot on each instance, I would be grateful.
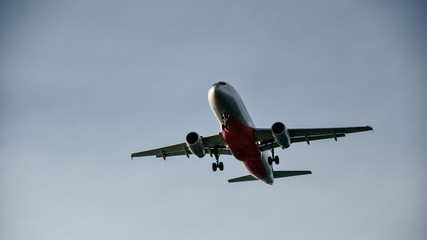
(195, 144)
(281, 135)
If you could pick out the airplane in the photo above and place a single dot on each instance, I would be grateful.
(240, 138)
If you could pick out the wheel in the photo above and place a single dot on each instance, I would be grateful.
(270, 161)
(221, 166)
(214, 167)
(276, 160)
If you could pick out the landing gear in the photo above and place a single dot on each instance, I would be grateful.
(273, 158)
(225, 117)
(217, 164)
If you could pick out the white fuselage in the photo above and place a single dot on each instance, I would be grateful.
(224, 100)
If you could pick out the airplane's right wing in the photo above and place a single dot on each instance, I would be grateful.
(179, 149)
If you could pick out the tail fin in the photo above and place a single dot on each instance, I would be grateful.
(281, 174)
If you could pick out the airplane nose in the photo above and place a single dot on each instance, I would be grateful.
(216, 92)
(218, 96)
(216, 88)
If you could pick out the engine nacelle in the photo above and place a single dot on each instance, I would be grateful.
(281, 135)
(195, 144)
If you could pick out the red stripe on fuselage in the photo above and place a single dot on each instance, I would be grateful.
(241, 141)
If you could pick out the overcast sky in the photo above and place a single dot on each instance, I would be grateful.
(85, 83)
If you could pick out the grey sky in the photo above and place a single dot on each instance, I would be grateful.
(85, 83)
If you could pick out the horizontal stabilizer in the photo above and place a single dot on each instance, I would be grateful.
(276, 174)
(281, 174)
(242, 179)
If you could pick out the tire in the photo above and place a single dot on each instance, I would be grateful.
(270, 161)
(276, 160)
(214, 167)
(221, 166)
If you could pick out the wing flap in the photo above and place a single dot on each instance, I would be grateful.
(317, 137)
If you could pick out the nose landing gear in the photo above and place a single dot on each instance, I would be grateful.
(225, 117)
(273, 159)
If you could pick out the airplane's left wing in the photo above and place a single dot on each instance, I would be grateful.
(180, 149)
(265, 137)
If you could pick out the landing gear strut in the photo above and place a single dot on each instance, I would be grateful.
(273, 158)
(225, 117)
(217, 164)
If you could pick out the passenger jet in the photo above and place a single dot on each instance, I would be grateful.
(239, 137)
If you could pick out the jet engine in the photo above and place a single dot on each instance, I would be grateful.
(281, 135)
(195, 144)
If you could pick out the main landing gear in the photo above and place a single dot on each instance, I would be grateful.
(217, 164)
(225, 117)
(273, 158)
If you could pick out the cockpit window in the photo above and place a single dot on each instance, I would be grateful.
(220, 84)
